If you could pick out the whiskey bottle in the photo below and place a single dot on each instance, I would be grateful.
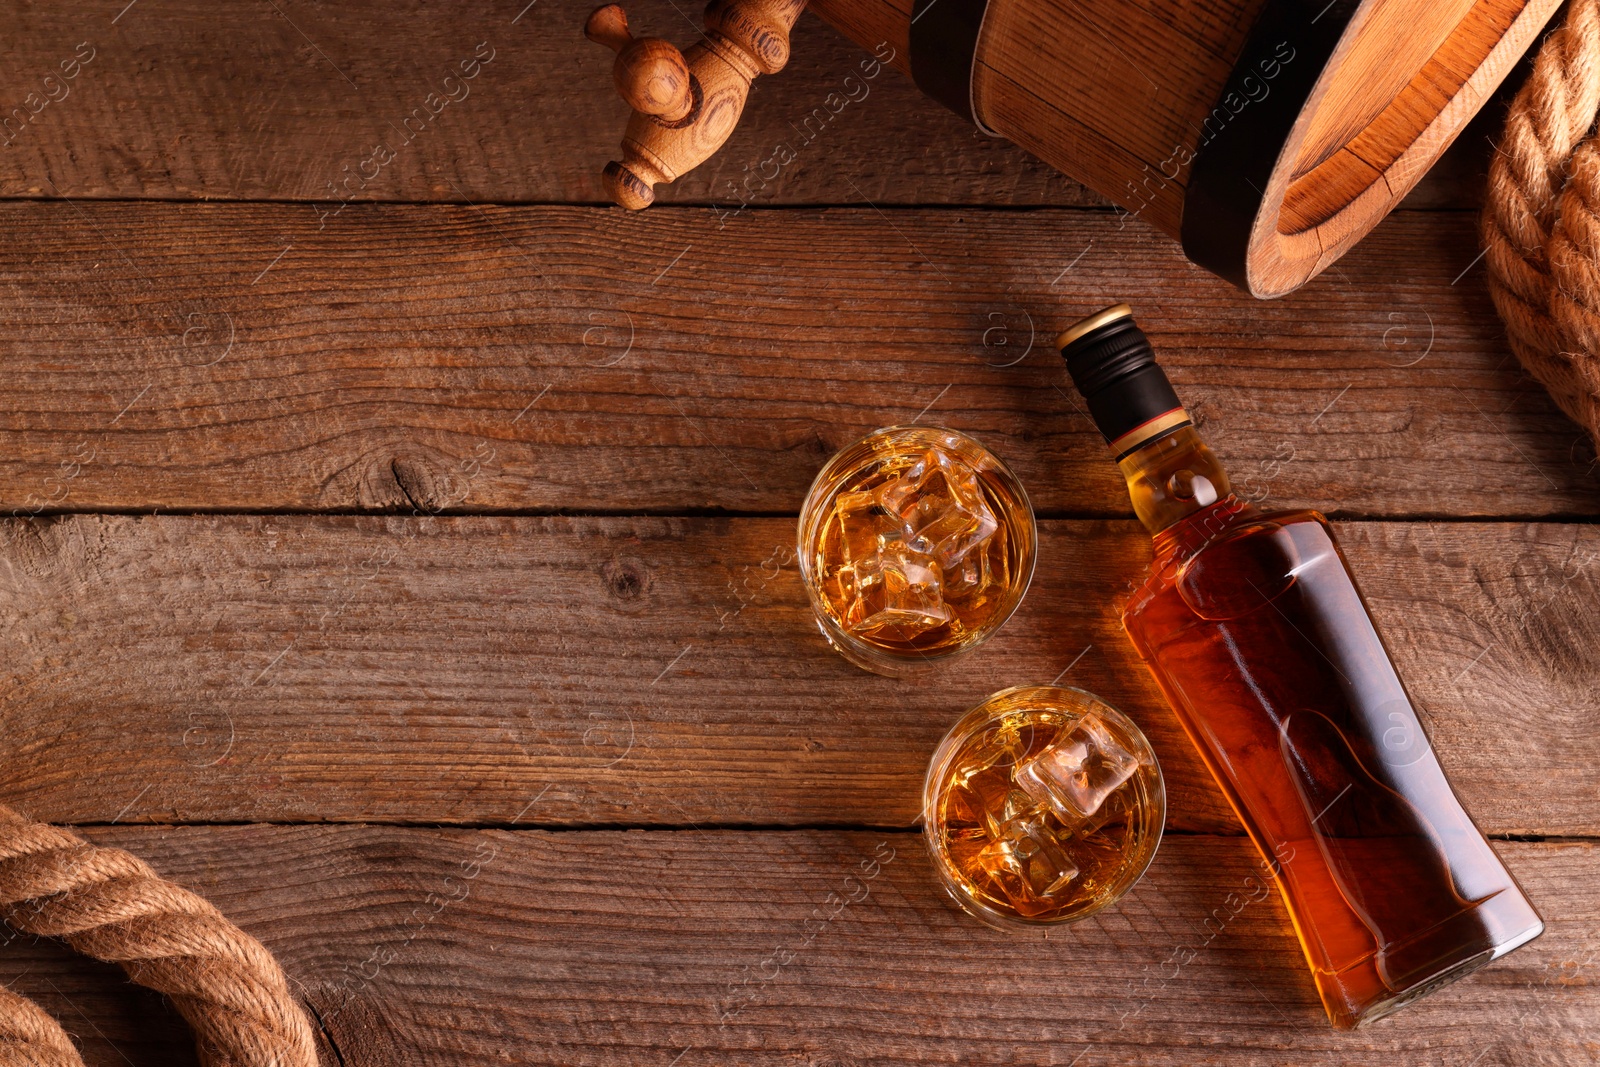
(1253, 628)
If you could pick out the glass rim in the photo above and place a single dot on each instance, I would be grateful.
(909, 660)
(958, 732)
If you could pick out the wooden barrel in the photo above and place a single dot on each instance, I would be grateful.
(1267, 135)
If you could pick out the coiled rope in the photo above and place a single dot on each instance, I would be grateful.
(111, 905)
(1541, 233)
(1541, 225)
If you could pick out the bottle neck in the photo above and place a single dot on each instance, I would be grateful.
(1173, 477)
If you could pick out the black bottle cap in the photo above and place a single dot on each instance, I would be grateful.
(1114, 369)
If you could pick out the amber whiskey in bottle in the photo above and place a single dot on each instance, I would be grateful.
(1257, 635)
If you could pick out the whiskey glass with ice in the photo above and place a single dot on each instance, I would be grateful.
(915, 544)
(1043, 805)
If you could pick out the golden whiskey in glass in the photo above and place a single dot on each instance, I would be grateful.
(915, 544)
(1043, 805)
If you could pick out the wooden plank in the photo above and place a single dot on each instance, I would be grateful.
(180, 99)
(483, 947)
(277, 101)
(649, 671)
(237, 357)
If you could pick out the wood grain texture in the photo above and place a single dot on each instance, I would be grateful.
(743, 39)
(238, 357)
(487, 947)
(1313, 212)
(184, 99)
(650, 73)
(1038, 73)
(274, 101)
(645, 671)
(663, 671)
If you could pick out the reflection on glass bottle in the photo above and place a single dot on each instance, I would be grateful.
(1253, 628)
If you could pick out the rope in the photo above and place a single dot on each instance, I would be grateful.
(30, 1038)
(111, 905)
(1541, 225)
(1541, 232)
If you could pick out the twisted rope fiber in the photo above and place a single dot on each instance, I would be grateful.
(1541, 232)
(28, 1036)
(111, 905)
(1541, 225)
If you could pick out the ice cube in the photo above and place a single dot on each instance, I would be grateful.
(970, 578)
(862, 525)
(982, 573)
(941, 507)
(1000, 747)
(894, 594)
(1075, 774)
(980, 775)
(965, 846)
(964, 804)
(1015, 805)
(975, 791)
(1025, 848)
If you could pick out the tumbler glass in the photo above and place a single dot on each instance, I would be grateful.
(1042, 805)
(915, 545)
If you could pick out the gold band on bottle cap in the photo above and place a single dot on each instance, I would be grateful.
(1093, 322)
(1141, 433)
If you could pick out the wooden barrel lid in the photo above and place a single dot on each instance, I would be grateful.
(1292, 171)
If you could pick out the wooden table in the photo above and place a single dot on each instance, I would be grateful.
(413, 577)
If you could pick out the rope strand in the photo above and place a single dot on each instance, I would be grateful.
(111, 905)
(1541, 234)
(30, 1038)
(1541, 231)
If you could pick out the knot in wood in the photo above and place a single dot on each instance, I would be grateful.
(627, 579)
(411, 478)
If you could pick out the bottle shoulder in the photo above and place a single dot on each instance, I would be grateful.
(1232, 530)
(1286, 518)
(1195, 532)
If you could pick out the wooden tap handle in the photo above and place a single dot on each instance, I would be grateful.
(760, 27)
(651, 74)
(743, 39)
(608, 25)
